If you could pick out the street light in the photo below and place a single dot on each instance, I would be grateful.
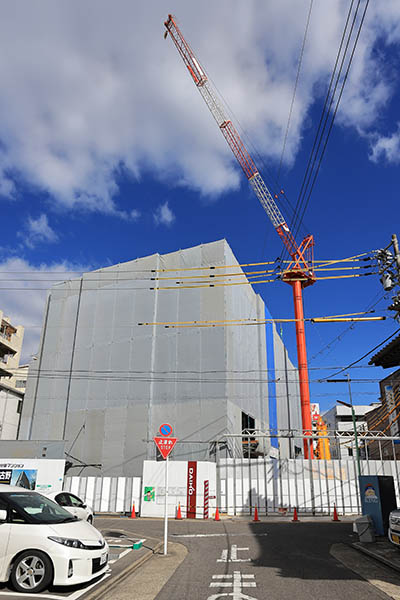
(353, 415)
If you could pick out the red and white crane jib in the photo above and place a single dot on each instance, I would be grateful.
(299, 273)
(232, 137)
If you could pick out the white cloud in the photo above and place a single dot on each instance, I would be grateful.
(386, 147)
(163, 215)
(91, 91)
(135, 214)
(23, 302)
(38, 231)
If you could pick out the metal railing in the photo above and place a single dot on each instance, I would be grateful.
(314, 486)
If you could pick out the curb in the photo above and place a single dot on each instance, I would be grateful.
(107, 586)
(375, 556)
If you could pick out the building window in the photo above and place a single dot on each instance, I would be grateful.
(19, 407)
(350, 451)
(20, 383)
(248, 422)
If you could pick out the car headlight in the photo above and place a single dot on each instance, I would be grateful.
(394, 520)
(70, 542)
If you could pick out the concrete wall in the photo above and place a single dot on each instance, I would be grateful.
(104, 383)
(9, 414)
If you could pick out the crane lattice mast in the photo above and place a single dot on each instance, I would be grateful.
(300, 272)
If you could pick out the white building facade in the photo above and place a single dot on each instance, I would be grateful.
(11, 397)
(339, 418)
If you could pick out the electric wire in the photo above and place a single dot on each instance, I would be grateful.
(315, 175)
(340, 336)
(295, 89)
(362, 357)
(317, 135)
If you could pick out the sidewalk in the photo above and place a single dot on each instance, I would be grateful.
(145, 583)
(381, 550)
(125, 566)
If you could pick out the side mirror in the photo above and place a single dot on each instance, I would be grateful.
(3, 515)
(83, 505)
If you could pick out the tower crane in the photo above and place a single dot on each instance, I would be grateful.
(299, 272)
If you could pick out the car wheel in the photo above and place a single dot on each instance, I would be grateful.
(32, 571)
(90, 519)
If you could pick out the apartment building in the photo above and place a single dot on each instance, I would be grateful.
(11, 396)
(385, 419)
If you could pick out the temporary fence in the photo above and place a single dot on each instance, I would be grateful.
(274, 485)
(107, 494)
(314, 486)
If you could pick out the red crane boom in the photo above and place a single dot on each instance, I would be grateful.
(299, 272)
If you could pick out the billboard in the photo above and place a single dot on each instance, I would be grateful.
(42, 475)
(314, 411)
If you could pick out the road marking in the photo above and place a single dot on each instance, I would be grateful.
(24, 595)
(233, 558)
(72, 596)
(124, 553)
(204, 535)
(79, 593)
(237, 581)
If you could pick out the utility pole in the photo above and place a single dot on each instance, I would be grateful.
(396, 254)
(353, 416)
(389, 269)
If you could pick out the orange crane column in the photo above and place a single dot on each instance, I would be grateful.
(302, 366)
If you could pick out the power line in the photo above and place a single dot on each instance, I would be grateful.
(317, 138)
(295, 89)
(335, 111)
(339, 337)
(362, 357)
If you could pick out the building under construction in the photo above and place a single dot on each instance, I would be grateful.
(120, 354)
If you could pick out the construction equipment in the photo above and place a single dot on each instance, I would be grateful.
(299, 273)
(322, 450)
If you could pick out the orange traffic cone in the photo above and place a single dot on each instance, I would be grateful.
(216, 518)
(295, 517)
(256, 515)
(133, 513)
(179, 513)
(335, 515)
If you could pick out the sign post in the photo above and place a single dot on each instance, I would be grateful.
(165, 444)
(166, 509)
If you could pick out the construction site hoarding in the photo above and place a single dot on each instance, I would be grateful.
(108, 372)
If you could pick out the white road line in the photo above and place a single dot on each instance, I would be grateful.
(23, 595)
(204, 535)
(237, 581)
(79, 593)
(234, 557)
(73, 596)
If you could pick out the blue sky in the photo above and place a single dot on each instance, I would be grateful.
(107, 152)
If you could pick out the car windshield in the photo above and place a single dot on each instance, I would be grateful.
(36, 508)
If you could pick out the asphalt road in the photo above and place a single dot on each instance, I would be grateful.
(256, 561)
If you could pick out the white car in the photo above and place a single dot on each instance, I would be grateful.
(394, 527)
(43, 544)
(73, 504)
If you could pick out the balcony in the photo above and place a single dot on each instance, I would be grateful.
(7, 343)
(4, 369)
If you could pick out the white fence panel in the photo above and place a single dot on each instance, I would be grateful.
(107, 494)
